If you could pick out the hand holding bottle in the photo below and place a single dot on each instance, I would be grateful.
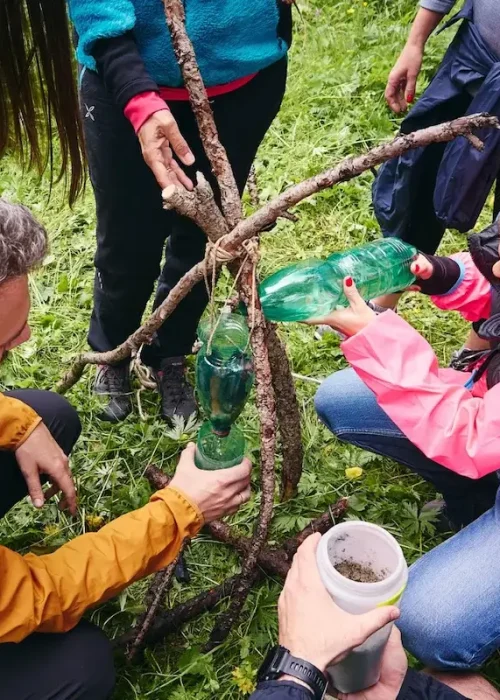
(392, 673)
(354, 318)
(216, 493)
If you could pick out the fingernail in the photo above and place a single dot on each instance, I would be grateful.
(189, 159)
(38, 503)
(349, 282)
(410, 98)
(417, 268)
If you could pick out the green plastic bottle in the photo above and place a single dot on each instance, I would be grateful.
(224, 377)
(313, 288)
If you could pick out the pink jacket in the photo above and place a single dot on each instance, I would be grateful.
(451, 424)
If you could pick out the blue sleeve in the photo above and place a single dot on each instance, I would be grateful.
(442, 6)
(99, 19)
(281, 690)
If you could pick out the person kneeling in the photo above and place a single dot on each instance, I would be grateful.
(46, 651)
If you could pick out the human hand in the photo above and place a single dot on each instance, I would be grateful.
(216, 493)
(392, 673)
(159, 136)
(311, 626)
(351, 320)
(422, 268)
(402, 81)
(40, 454)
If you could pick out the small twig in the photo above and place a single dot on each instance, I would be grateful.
(253, 189)
(475, 141)
(304, 378)
(154, 597)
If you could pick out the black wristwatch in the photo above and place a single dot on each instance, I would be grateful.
(279, 661)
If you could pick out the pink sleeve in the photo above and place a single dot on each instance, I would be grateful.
(429, 405)
(471, 295)
(142, 106)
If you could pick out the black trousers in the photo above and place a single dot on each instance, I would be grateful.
(77, 665)
(60, 418)
(132, 226)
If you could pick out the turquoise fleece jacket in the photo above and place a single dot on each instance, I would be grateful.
(231, 38)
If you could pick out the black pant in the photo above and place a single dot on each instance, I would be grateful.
(62, 421)
(132, 226)
(77, 665)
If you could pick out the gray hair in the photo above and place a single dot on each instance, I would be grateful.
(23, 241)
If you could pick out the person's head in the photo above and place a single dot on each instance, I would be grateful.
(23, 245)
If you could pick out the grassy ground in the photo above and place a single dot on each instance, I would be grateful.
(342, 54)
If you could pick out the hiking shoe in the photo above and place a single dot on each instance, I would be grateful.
(114, 382)
(177, 395)
(464, 360)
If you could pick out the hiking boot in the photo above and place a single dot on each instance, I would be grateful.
(177, 394)
(465, 360)
(114, 382)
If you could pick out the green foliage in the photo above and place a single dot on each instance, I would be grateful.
(342, 54)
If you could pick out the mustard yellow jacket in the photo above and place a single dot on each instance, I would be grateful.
(50, 593)
(17, 422)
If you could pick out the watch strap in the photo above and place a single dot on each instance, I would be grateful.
(280, 662)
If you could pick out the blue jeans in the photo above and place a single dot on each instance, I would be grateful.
(451, 609)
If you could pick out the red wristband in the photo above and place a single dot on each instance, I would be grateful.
(142, 106)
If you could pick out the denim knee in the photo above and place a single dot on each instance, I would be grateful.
(332, 398)
(434, 638)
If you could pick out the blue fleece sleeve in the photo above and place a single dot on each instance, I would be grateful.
(99, 19)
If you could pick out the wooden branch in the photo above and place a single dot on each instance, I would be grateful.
(198, 205)
(142, 336)
(351, 167)
(274, 560)
(216, 153)
(266, 406)
(288, 414)
(231, 243)
(154, 598)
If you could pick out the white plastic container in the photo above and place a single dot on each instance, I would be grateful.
(373, 547)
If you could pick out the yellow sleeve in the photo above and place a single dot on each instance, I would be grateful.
(50, 593)
(17, 422)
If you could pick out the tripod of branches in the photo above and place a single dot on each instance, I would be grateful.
(233, 241)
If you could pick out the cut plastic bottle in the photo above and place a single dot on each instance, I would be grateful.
(313, 288)
(224, 377)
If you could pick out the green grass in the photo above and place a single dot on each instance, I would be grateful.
(334, 107)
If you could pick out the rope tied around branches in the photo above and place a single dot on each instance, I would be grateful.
(216, 254)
